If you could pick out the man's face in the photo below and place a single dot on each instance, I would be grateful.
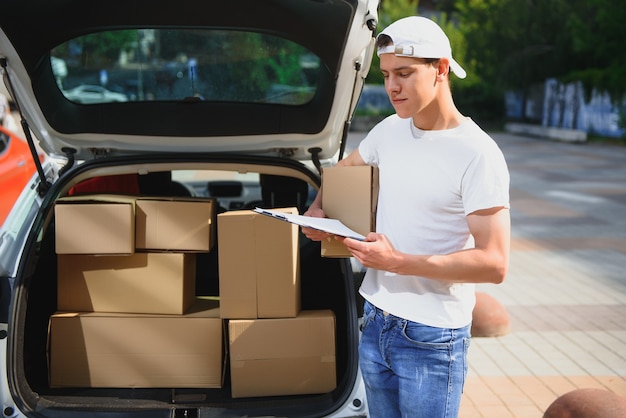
(411, 83)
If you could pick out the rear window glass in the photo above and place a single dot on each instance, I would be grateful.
(175, 64)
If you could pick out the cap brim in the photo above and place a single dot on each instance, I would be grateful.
(457, 69)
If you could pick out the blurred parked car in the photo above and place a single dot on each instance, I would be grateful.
(16, 169)
(89, 94)
(224, 133)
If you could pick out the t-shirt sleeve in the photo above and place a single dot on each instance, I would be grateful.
(368, 147)
(365, 150)
(486, 182)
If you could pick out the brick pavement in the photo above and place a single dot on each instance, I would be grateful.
(566, 288)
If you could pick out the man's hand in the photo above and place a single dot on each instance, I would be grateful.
(375, 252)
(315, 234)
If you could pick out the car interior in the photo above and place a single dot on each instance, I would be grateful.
(323, 286)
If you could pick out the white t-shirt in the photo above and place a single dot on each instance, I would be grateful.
(429, 182)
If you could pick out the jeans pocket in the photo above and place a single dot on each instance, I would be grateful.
(369, 311)
(427, 337)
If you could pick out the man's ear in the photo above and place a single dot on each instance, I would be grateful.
(443, 67)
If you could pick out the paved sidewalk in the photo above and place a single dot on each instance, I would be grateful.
(566, 288)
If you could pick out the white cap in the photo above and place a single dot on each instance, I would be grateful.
(419, 37)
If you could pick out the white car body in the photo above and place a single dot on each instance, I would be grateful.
(89, 94)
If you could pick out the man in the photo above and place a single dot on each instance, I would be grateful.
(442, 225)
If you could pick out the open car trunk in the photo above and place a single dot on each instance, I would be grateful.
(325, 284)
(236, 103)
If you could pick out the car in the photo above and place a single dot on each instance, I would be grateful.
(16, 169)
(262, 105)
(93, 94)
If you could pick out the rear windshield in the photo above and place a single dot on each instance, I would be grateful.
(175, 64)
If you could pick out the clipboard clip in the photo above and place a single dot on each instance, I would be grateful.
(272, 214)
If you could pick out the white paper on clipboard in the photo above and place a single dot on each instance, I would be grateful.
(332, 226)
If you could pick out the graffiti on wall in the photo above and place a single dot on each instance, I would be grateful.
(565, 107)
(562, 105)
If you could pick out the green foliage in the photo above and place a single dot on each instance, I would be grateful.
(513, 44)
(270, 61)
(257, 61)
(101, 49)
(597, 31)
(392, 10)
(285, 63)
(483, 104)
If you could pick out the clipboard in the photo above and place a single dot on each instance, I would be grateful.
(332, 226)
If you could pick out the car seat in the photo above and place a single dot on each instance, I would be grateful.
(160, 183)
(283, 191)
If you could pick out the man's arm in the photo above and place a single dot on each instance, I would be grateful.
(487, 262)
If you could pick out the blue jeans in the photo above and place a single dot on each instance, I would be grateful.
(410, 369)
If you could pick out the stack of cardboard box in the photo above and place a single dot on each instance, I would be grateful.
(128, 316)
(127, 313)
(275, 348)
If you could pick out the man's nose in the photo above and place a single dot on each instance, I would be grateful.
(392, 84)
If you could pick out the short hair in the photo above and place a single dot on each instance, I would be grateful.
(384, 40)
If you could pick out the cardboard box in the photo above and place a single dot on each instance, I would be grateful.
(175, 224)
(349, 194)
(160, 283)
(95, 224)
(288, 356)
(139, 351)
(259, 265)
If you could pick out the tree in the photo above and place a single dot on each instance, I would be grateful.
(517, 43)
(597, 32)
(512, 43)
(102, 48)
